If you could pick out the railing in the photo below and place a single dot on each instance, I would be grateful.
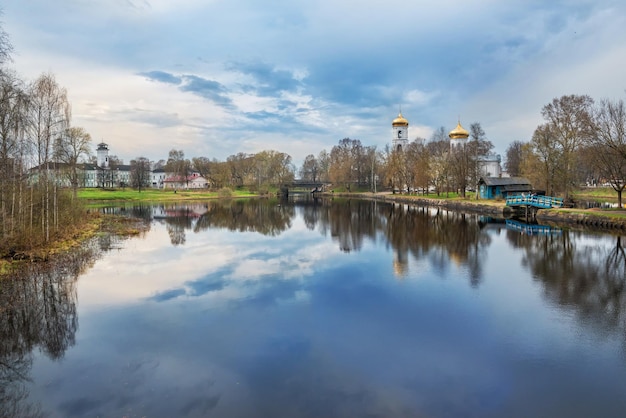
(534, 200)
(530, 229)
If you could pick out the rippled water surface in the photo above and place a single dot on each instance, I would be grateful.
(321, 308)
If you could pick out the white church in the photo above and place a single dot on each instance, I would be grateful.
(489, 164)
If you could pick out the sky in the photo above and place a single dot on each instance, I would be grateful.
(217, 77)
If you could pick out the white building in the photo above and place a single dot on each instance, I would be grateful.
(400, 133)
(489, 165)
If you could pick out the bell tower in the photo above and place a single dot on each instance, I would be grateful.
(400, 133)
(103, 155)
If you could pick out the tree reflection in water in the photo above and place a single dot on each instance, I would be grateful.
(577, 270)
(37, 310)
(442, 236)
(573, 271)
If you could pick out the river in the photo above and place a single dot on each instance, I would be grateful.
(319, 308)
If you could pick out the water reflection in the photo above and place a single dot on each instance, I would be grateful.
(578, 270)
(573, 271)
(37, 311)
(290, 308)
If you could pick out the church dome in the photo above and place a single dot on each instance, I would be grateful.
(400, 121)
(458, 133)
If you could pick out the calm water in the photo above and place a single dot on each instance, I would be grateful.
(320, 309)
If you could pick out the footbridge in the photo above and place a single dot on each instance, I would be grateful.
(535, 201)
(529, 204)
(307, 186)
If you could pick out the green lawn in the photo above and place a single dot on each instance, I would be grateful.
(596, 193)
(152, 195)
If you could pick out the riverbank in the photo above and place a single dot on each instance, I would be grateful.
(614, 219)
(93, 224)
(100, 196)
(595, 218)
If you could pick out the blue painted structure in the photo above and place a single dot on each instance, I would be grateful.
(531, 229)
(501, 187)
(535, 201)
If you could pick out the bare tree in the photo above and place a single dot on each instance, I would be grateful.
(439, 164)
(48, 119)
(70, 147)
(439, 135)
(273, 168)
(514, 158)
(13, 151)
(418, 165)
(178, 165)
(242, 168)
(477, 148)
(323, 160)
(140, 173)
(569, 120)
(549, 156)
(395, 173)
(6, 48)
(608, 144)
(348, 163)
(310, 169)
(462, 167)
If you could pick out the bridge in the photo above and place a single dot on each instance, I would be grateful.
(303, 185)
(531, 203)
(536, 201)
(307, 184)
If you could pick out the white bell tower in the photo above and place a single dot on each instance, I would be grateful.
(400, 133)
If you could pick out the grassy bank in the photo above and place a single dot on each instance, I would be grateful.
(606, 194)
(92, 225)
(154, 195)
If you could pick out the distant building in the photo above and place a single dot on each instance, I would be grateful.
(489, 165)
(400, 133)
(458, 137)
(193, 181)
(101, 174)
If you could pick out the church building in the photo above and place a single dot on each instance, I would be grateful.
(400, 132)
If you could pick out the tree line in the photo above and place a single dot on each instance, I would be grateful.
(581, 142)
(35, 131)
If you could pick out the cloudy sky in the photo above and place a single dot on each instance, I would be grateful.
(217, 77)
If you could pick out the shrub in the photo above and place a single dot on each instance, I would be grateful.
(225, 192)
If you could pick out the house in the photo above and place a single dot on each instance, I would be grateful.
(193, 181)
(501, 187)
(157, 178)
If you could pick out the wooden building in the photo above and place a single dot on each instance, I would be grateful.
(501, 187)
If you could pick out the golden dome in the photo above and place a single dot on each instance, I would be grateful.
(400, 121)
(458, 132)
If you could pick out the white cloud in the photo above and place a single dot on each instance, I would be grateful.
(492, 62)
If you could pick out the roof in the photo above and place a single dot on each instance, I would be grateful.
(400, 121)
(459, 132)
(506, 181)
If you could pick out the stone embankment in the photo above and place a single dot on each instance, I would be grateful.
(457, 205)
(590, 218)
